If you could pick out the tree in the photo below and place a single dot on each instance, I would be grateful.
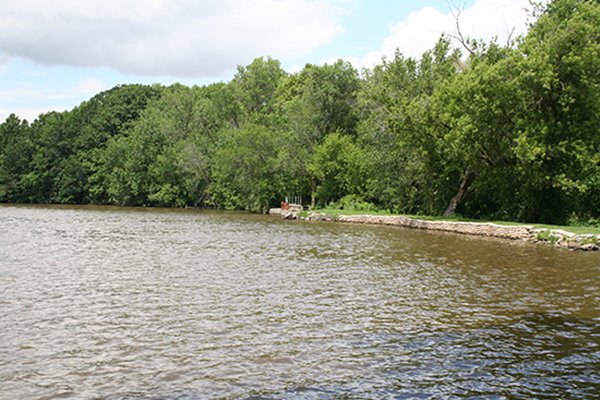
(248, 170)
(524, 122)
(402, 133)
(338, 164)
(560, 138)
(482, 107)
(52, 160)
(257, 85)
(15, 152)
(318, 101)
(165, 158)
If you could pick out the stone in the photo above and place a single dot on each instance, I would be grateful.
(559, 238)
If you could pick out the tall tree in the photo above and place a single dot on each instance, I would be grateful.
(16, 150)
(320, 100)
(248, 170)
(165, 159)
(257, 85)
(560, 138)
(402, 132)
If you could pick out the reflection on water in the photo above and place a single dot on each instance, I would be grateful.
(109, 303)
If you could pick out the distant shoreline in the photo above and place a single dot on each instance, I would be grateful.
(555, 237)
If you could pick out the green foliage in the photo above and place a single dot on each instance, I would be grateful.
(257, 84)
(16, 150)
(166, 156)
(338, 164)
(559, 137)
(322, 100)
(405, 140)
(53, 159)
(247, 170)
(353, 202)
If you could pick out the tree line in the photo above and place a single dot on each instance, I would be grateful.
(489, 131)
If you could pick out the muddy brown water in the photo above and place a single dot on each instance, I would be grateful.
(126, 303)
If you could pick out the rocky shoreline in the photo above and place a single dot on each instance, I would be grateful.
(555, 237)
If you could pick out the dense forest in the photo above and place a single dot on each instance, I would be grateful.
(491, 131)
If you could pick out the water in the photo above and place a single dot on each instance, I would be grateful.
(109, 303)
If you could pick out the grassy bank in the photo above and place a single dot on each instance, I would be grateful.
(578, 230)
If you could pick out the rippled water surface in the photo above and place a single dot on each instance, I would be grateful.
(109, 303)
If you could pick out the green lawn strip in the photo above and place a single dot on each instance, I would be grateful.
(578, 230)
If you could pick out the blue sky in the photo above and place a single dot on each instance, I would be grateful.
(54, 54)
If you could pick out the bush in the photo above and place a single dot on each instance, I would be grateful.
(353, 202)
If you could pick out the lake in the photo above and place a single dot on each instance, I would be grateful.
(133, 303)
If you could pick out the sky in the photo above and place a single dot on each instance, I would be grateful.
(54, 54)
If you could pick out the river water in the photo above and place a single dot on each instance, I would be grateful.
(124, 303)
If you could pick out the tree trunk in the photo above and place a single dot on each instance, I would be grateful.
(462, 192)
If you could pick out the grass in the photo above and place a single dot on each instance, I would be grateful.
(334, 211)
(578, 230)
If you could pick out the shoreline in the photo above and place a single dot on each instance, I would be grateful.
(553, 237)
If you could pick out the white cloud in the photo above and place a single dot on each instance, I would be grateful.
(422, 29)
(295, 68)
(89, 85)
(184, 38)
(31, 74)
